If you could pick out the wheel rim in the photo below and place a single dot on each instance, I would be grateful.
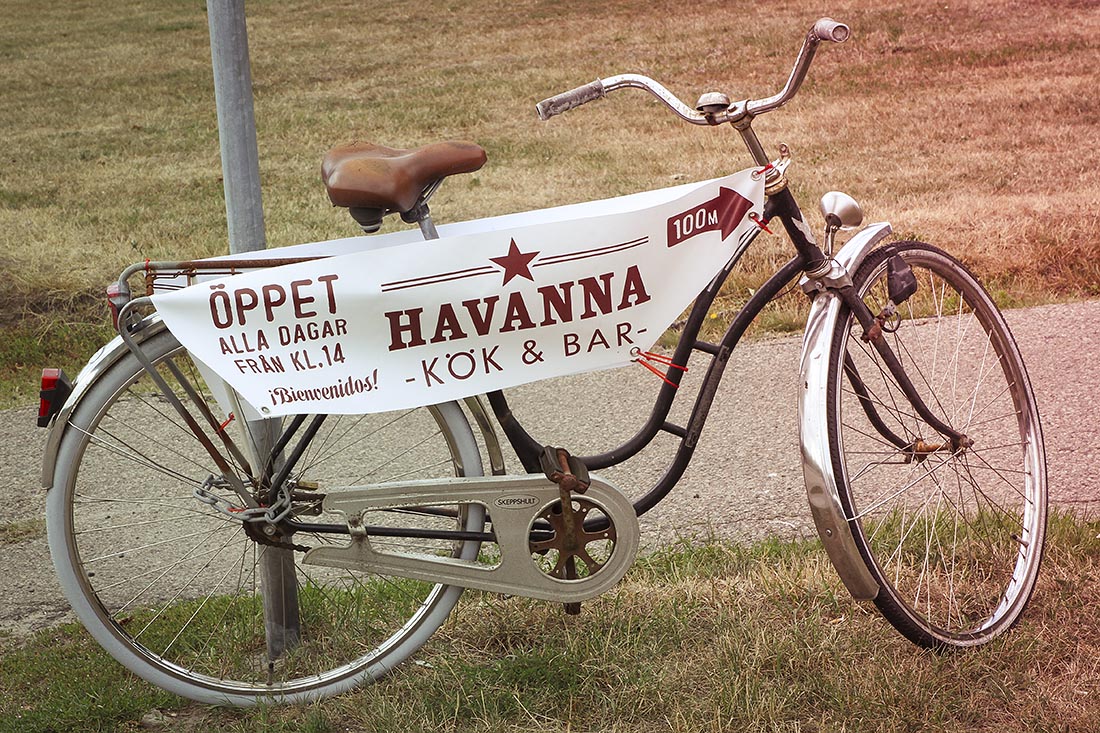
(174, 584)
(954, 536)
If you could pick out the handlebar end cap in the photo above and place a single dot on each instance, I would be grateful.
(828, 29)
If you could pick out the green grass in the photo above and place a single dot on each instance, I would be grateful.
(64, 681)
(22, 529)
(698, 637)
(66, 338)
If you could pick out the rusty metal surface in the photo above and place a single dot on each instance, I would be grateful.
(154, 271)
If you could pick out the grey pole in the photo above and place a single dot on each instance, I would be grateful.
(245, 216)
(278, 577)
(236, 125)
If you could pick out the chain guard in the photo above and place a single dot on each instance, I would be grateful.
(514, 503)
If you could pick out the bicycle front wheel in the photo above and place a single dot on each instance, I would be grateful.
(198, 602)
(954, 536)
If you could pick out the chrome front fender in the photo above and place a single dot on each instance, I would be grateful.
(100, 362)
(817, 464)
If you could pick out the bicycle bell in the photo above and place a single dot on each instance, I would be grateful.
(712, 103)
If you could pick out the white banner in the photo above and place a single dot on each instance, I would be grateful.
(550, 293)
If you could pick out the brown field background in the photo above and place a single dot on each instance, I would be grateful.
(973, 125)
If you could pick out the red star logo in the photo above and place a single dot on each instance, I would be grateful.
(516, 263)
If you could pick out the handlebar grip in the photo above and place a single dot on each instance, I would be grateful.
(828, 29)
(566, 101)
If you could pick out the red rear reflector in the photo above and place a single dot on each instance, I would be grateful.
(56, 388)
(115, 301)
(50, 378)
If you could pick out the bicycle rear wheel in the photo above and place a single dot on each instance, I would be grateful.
(174, 588)
(954, 537)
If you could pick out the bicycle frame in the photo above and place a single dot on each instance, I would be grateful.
(809, 262)
(828, 515)
(295, 514)
(528, 448)
(820, 273)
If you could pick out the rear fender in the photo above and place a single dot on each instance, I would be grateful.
(109, 355)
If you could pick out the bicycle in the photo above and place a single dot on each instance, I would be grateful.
(921, 449)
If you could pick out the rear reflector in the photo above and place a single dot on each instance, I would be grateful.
(115, 301)
(56, 388)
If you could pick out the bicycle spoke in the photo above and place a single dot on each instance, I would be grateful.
(206, 599)
(178, 582)
(952, 536)
(899, 492)
(140, 458)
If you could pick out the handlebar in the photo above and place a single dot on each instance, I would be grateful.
(825, 29)
(566, 101)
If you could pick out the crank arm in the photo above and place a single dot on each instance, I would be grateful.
(515, 503)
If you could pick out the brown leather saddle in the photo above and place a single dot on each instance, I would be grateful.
(372, 180)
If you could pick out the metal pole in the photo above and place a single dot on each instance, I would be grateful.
(245, 217)
(236, 125)
(278, 577)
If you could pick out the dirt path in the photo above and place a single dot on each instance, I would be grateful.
(744, 482)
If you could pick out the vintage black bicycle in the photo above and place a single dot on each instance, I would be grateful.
(235, 560)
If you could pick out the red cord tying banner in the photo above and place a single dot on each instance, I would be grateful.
(224, 425)
(644, 357)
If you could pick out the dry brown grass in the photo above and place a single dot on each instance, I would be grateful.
(970, 124)
(709, 637)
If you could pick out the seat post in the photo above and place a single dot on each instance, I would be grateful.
(427, 226)
(422, 216)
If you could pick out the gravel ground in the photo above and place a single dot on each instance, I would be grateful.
(744, 482)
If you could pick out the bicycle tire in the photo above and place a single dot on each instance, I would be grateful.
(954, 537)
(170, 587)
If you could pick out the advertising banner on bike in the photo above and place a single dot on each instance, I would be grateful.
(549, 293)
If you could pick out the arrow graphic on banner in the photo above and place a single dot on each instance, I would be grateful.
(721, 213)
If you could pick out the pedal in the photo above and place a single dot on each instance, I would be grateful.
(567, 471)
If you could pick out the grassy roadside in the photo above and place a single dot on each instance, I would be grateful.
(712, 637)
(946, 118)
